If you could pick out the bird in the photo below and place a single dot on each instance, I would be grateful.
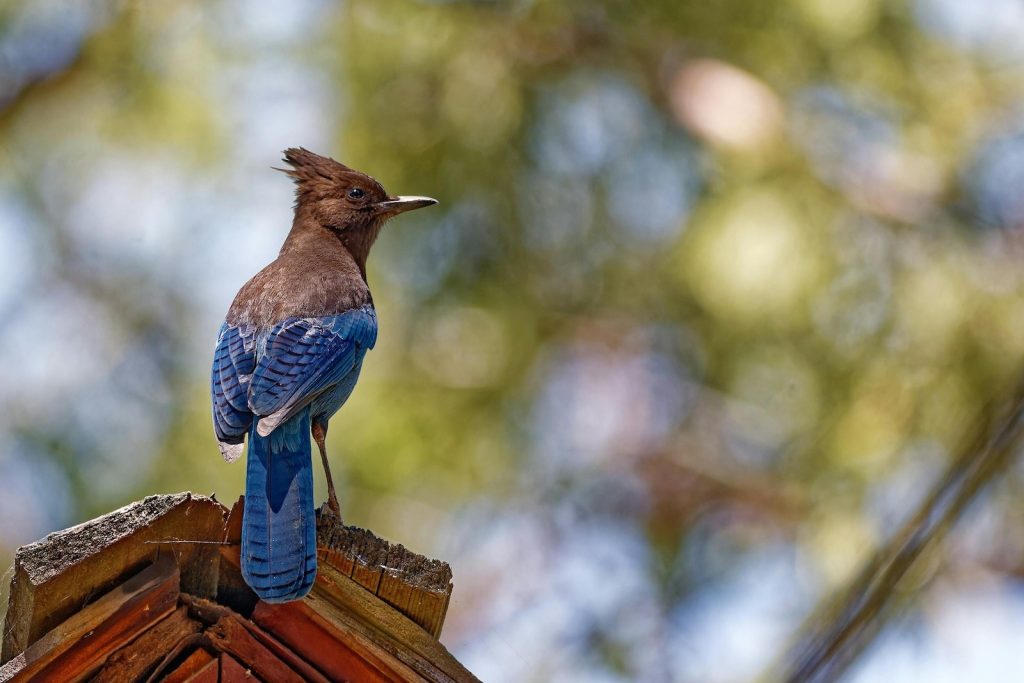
(288, 356)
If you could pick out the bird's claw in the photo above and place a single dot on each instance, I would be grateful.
(333, 506)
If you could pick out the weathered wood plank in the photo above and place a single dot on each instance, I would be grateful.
(211, 612)
(385, 603)
(208, 674)
(231, 671)
(366, 619)
(230, 635)
(286, 655)
(313, 638)
(194, 665)
(77, 647)
(416, 586)
(134, 660)
(55, 577)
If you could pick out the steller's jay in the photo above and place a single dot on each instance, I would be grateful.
(288, 356)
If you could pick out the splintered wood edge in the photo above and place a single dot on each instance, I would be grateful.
(45, 559)
(56, 575)
(374, 553)
(415, 585)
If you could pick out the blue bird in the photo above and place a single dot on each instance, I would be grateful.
(287, 358)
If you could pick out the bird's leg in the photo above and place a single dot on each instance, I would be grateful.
(319, 430)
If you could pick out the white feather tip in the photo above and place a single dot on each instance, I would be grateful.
(231, 451)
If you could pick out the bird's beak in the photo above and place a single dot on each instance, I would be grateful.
(396, 205)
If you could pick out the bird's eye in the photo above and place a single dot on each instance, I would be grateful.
(356, 193)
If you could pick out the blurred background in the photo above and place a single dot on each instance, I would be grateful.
(713, 296)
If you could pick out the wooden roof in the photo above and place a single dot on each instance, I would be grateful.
(153, 592)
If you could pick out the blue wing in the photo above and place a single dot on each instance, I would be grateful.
(302, 358)
(234, 360)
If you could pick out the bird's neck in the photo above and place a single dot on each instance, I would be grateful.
(310, 239)
(314, 275)
(315, 244)
(333, 275)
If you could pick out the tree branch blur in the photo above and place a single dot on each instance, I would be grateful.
(839, 631)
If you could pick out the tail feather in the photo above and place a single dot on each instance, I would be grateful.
(278, 524)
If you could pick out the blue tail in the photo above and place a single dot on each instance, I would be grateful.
(278, 525)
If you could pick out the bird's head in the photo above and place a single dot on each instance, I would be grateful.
(350, 204)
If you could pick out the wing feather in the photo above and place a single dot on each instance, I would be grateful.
(304, 357)
(234, 360)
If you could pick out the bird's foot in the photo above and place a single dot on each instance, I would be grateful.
(332, 504)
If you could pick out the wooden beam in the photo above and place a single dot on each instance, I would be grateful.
(211, 612)
(357, 613)
(374, 614)
(231, 671)
(314, 639)
(76, 648)
(208, 674)
(56, 577)
(131, 662)
(194, 665)
(373, 630)
(230, 635)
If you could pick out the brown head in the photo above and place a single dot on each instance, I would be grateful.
(348, 204)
